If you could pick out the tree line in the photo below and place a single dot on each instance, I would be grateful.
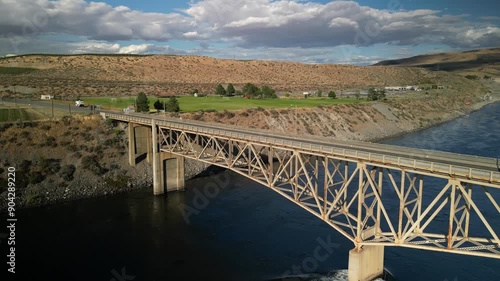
(249, 90)
(142, 104)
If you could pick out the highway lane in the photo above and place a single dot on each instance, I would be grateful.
(48, 105)
(447, 158)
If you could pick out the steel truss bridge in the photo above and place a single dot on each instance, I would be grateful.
(373, 194)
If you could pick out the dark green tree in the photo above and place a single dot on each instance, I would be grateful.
(267, 93)
(381, 95)
(374, 94)
(142, 102)
(332, 95)
(172, 105)
(230, 90)
(219, 90)
(251, 90)
(158, 105)
(319, 93)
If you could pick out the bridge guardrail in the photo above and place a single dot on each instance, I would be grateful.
(431, 166)
(470, 159)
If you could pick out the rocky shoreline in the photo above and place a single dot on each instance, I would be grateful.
(42, 176)
(83, 187)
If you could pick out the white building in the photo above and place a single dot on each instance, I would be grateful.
(129, 108)
(46, 97)
(401, 88)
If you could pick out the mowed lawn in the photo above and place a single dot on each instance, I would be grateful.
(191, 104)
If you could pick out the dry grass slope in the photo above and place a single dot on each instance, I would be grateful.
(101, 75)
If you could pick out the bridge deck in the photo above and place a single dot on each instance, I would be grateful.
(482, 169)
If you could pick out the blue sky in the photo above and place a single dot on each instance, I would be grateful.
(346, 32)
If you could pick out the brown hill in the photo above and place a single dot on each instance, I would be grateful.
(166, 75)
(477, 62)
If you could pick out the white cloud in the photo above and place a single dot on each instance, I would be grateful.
(250, 26)
(191, 34)
(100, 47)
(266, 23)
(96, 21)
(340, 22)
(95, 47)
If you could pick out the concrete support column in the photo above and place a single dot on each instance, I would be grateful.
(366, 264)
(174, 172)
(158, 188)
(131, 144)
(149, 148)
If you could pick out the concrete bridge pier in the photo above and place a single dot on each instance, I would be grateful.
(168, 169)
(173, 171)
(131, 144)
(366, 264)
(139, 142)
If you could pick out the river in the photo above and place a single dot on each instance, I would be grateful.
(245, 232)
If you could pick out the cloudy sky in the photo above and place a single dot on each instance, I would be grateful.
(348, 32)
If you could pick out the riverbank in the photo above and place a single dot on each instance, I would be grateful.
(71, 158)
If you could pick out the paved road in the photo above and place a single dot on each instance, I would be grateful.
(48, 104)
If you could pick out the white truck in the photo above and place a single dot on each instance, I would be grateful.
(79, 103)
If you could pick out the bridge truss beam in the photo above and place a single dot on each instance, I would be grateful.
(370, 203)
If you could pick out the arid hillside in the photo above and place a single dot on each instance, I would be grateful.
(478, 62)
(112, 75)
(70, 158)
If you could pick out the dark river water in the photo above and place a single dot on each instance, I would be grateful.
(244, 232)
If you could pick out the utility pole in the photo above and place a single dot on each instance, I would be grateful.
(69, 107)
(52, 101)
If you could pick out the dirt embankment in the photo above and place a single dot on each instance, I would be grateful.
(75, 157)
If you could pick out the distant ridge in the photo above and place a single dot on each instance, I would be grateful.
(164, 75)
(478, 62)
(205, 72)
(74, 55)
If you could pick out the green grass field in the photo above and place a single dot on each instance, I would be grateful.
(16, 70)
(17, 114)
(191, 104)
